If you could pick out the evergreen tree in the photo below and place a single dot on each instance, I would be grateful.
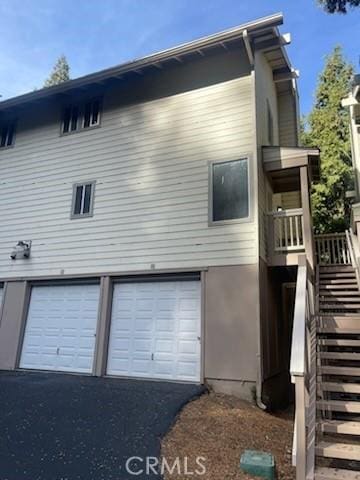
(338, 6)
(328, 128)
(60, 72)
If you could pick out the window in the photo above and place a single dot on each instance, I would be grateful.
(81, 117)
(270, 124)
(229, 183)
(7, 135)
(83, 200)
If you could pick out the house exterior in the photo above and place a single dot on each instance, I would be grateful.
(152, 217)
(352, 102)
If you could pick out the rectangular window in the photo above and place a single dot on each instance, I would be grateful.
(229, 190)
(83, 199)
(7, 135)
(81, 116)
(270, 124)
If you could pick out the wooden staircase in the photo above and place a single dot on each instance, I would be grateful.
(337, 444)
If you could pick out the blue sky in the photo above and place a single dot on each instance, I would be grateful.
(95, 34)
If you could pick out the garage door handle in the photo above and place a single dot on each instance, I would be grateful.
(152, 356)
(57, 351)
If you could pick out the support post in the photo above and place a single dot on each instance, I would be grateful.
(103, 326)
(308, 225)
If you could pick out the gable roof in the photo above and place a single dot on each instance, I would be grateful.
(262, 33)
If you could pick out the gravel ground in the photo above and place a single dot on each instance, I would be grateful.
(220, 428)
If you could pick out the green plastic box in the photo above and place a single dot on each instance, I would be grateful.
(259, 464)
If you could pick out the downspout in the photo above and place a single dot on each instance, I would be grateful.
(259, 378)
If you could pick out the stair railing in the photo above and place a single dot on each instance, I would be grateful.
(354, 252)
(303, 372)
(332, 249)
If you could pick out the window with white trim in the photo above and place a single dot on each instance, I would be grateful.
(81, 117)
(83, 200)
(229, 190)
(7, 134)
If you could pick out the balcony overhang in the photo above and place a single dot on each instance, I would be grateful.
(283, 163)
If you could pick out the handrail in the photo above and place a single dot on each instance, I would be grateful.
(354, 251)
(303, 372)
(332, 249)
(286, 213)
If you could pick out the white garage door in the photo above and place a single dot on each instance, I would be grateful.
(61, 327)
(155, 330)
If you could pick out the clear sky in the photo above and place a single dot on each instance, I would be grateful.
(96, 34)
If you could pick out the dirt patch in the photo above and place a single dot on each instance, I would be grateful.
(220, 428)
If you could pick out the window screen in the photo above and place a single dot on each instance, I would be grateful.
(230, 190)
(83, 197)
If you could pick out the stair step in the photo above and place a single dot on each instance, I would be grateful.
(336, 268)
(341, 371)
(325, 473)
(340, 355)
(337, 281)
(342, 306)
(339, 298)
(339, 387)
(339, 406)
(333, 275)
(343, 451)
(340, 427)
(342, 323)
(350, 286)
(338, 331)
(335, 342)
(341, 293)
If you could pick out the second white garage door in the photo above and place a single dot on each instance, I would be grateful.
(155, 330)
(61, 327)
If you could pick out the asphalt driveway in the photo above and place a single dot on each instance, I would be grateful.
(67, 427)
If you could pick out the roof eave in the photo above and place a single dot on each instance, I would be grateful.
(272, 21)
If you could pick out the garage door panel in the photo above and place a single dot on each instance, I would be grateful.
(60, 328)
(162, 335)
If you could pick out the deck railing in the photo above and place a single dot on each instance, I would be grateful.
(286, 230)
(332, 249)
(303, 372)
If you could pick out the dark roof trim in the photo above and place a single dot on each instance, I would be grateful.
(269, 22)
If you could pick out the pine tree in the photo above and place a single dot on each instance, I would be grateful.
(60, 72)
(328, 129)
(338, 6)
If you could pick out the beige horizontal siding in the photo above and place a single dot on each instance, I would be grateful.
(287, 120)
(150, 163)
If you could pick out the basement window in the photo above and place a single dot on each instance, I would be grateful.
(229, 191)
(7, 135)
(83, 200)
(81, 117)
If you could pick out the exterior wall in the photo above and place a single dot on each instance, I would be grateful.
(150, 162)
(288, 124)
(231, 326)
(265, 93)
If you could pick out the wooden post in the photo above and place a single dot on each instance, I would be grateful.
(300, 419)
(308, 226)
(103, 326)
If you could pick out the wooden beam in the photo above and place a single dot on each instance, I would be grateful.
(283, 76)
(308, 225)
